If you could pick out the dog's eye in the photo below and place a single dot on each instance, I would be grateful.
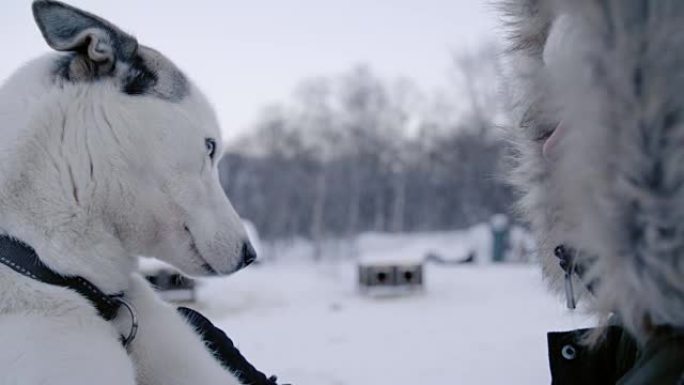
(211, 147)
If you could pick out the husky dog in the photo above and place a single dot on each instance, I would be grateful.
(600, 148)
(108, 151)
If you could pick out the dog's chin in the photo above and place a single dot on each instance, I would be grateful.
(200, 267)
(205, 270)
(203, 266)
(196, 266)
(188, 260)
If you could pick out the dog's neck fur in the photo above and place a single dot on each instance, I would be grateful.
(67, 227)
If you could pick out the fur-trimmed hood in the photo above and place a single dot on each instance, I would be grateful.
(612, 71)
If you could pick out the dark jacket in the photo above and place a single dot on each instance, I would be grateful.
(617, 359)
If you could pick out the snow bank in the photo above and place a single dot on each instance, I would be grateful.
(472, 325)
(406, 247)
(414, 247)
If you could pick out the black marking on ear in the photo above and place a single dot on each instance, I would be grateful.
(61, 67)
(140, 80)
(167, 82)
(159, 78)
(147, 72)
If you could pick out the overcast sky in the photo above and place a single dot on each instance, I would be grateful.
(247, 54)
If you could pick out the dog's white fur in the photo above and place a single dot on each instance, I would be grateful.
(610, 70)
(92, 177)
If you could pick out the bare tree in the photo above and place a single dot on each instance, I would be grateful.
(357, 152)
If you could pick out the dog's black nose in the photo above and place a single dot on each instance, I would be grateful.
(248, 254)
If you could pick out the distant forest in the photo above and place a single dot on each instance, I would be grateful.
(357, 152)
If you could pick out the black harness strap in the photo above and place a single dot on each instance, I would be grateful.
(23, 259)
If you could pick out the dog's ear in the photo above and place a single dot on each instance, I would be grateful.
(100, 44)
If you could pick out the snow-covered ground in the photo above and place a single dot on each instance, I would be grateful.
(473, 324)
